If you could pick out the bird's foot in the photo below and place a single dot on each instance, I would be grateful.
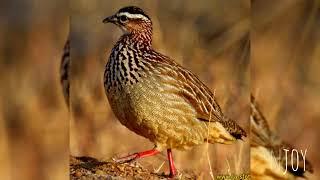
(126, 159)
(136, 156)
(173, 173)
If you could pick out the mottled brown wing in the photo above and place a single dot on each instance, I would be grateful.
(64, 71)
(199, 96)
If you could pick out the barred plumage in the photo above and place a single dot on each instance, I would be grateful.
(268, 159)
(157, 98)
(64, 71)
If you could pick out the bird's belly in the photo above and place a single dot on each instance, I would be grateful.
(164, 118)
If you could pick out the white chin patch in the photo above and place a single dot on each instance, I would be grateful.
(133, 16)
(124, 30)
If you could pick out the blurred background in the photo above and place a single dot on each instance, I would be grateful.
(285, 64)
(34, 120)
(211, 38)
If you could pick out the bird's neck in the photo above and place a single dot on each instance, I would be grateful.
(141, 37)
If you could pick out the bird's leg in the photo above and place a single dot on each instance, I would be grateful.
(173, 170)
(138, 155)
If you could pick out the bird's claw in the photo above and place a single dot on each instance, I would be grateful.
(126, 159)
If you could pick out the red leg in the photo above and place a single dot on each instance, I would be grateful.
(173, 170)
(137, 156)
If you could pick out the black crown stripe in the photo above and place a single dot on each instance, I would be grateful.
(133, 10)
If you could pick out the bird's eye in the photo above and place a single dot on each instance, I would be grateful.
(123, 18)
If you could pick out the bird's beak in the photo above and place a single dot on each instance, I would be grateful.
(110, 19)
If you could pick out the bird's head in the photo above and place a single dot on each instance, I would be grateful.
(131, 19)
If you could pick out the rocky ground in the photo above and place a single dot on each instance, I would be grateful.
(93, 169)
(83, 168)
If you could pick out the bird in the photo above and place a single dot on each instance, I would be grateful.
(268, 159)
(155, 97)
(65, 72)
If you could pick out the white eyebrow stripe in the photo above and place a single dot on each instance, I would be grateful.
(134, 16)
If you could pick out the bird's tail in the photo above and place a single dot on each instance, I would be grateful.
(225, 132)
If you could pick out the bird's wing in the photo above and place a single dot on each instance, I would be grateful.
(187, 85)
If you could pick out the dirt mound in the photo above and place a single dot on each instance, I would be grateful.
(93, 169)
